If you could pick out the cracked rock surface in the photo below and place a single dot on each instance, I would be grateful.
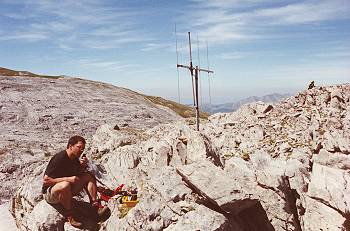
(38, 115)
(264, 167)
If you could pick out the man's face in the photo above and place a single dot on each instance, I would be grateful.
(77, 149)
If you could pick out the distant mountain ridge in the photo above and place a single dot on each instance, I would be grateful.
(231, 107)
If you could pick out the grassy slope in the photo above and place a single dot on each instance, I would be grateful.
(182, 110)
(8, 72)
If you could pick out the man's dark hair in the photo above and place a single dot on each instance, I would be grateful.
(75, 139)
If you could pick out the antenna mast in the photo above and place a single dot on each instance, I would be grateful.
(196, 71)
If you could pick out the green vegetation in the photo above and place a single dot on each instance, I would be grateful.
(8, 72)
(182, 110)
(123, 210)
(245, 155)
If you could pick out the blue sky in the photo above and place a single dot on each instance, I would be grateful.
(256, 47)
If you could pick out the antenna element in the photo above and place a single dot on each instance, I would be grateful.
(196, 71)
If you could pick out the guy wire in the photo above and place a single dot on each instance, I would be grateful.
(208, 75)
(199, 74)
(177, 68)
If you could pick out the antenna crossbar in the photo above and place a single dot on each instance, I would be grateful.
(196, 70)
(205, 70)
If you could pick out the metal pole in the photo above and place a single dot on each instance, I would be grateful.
(177, 68)
(197, 104)
(197, 70)
(191, 68)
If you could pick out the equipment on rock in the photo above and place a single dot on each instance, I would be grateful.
(129, 198)
(106, 193)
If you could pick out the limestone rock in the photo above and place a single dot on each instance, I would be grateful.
(34, 110)
(331, 187)
(333, 160)
(43, 217)
(215, 186)
(202, 218)
(319, 216)
(263, 167)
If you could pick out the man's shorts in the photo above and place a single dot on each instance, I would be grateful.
(50, 197)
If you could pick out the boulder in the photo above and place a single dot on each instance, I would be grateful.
(319, 216)
(330, 186)
(204, 219)
(217, 187)
(43, 217)
(259, 168)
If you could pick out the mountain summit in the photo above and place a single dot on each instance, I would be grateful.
(264, 167)
(39, 113)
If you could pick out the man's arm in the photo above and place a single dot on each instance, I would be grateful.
(49, 181)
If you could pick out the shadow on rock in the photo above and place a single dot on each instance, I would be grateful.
(84, 213)
(254, 218)
(245, 215)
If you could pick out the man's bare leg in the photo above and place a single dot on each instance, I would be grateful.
(63, 192)
(86, 180)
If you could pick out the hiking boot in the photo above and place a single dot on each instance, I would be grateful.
(103, 213)
(74, 222)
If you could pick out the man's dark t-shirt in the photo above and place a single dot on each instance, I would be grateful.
(61, 166)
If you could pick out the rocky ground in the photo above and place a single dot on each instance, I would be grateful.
(38, 115)
(6, 220)
(264, 167)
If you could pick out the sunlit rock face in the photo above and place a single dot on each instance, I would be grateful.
(263, 167)
(38, 115)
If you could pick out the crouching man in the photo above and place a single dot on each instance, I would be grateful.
(65, 177)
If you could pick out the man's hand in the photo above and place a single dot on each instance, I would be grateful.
(73, 179)
(84, 161)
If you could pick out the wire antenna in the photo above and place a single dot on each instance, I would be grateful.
(200, 79)
(191, 70)
(196, 71)
(177, 61)
(208, 75)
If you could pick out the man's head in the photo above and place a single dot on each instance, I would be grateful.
(76, 146)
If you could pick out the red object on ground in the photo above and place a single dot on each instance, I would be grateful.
(106, 194)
